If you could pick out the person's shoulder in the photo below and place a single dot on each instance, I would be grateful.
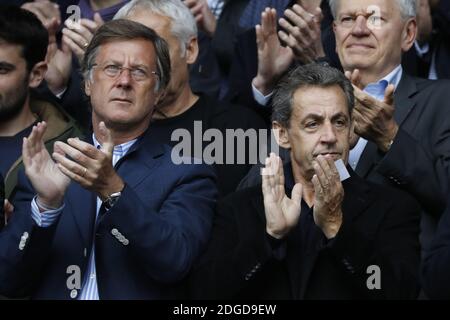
(441, 85)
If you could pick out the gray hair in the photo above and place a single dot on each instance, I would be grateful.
(117, 30)
(183, 22)
(305, 76)
(408, 8)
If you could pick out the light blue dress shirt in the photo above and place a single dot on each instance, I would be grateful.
(89, 289)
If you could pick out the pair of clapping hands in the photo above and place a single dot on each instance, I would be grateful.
(300, 39)
(76, 37)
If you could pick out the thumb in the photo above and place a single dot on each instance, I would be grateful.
(389, 95)
(318, 15)
(98, 19)
(106, 136)
(297, 193)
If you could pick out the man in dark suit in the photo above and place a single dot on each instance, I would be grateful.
(430, 56)
(306, 234)
(114, 218)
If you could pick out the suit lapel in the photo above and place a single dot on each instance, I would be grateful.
(404, 104)
(404, 98)
(83, 211)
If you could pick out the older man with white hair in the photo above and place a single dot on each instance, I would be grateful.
(403, 121)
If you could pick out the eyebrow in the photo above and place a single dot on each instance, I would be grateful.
(139, 65)
(313, 116)
(7, 65)
(365, 13)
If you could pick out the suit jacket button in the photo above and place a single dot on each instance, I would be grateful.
(125, 242)
(115, 232)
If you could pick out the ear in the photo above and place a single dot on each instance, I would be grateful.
(37, 74)
(192, 50)
(281, 135)
(409, 34)
(87, 87)
(334, 31)
(159, 97)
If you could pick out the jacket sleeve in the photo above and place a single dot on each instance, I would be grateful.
(165, 242)
(412, 169)
(24, 247)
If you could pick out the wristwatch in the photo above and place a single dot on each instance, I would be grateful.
(111, 200)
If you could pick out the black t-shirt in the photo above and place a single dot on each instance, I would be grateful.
(11, 149)
(211, 114)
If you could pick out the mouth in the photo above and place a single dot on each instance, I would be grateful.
(333, 155)
(121, 100)
(359, 46)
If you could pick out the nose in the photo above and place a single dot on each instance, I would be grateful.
(360, 28)
(124, 79)
(328, 135)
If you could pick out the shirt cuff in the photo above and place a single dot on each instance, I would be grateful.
(47, 218)
(260, 98)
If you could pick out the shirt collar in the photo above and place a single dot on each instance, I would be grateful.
(377, 89)
(119, 150)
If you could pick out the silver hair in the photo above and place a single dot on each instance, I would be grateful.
(408, 8)
(183, 22)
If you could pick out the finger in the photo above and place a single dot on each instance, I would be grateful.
(389, 95)
(98, 20)
(356, 78)
(76, 37)
(297, 193)
(72, 166)
(320, 173)
(190, 3)
(305, 15)
(280, 171)
(334, 174)
(85, 148)
(364, 99)
(273, 20)
(72, 175)
(265, 178)
(75, 155)
(265, 27)
(197, 9)
(273, 173)
(74, 47)
(318, 16)
(259, 37)
(348, 75)
(106, 136)
(318, 191)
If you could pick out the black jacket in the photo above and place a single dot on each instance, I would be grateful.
(381, 227)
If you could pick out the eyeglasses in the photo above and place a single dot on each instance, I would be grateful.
(113, 71)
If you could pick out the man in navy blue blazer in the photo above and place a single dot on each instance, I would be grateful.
(114, 217)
